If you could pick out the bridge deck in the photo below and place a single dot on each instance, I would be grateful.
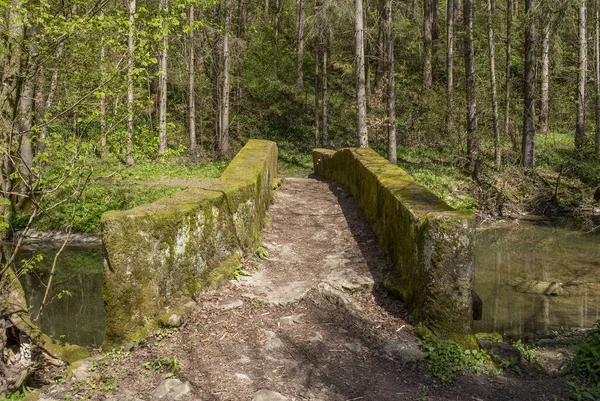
(312, 322)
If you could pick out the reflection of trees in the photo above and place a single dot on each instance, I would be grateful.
(78, 318)
(544, 254)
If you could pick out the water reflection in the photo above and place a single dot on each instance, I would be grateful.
(75, 311)
(535, 279)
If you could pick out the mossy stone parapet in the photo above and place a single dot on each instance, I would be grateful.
(160, 255)
(429, 242)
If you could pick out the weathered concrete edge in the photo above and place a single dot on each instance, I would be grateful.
(429, 242)
(159, 256)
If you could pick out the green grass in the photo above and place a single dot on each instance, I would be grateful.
(119, 188)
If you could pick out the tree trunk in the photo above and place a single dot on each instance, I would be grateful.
(435, 22)
(324, 112)
(103, 138)
(449, 64)
(472, 136)
(582, 67)
(26, 118)
(317, 49)
(528, 145)
(224, 138)
(427, 43)
(216, 80)
(545, 95)
(130, 60)
(361, 98)
(391, 86)
(507, 131)
(381, 49)
(597, 70)
(162, 83)
(191, 86)
(491, 44)
(300, 54)
(50, 99)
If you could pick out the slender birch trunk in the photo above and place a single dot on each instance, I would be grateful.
(472, 136)
(103, 138)
(324, 111)
(130, 60)
(162, 83)
(509, 18)
(192, 85)
(361, 98)
(528, 145)
(597, 71)
(449, 65)
(300, 54)
(224, 138)
(427, 43)
(545, 90)
(582, 67)
(492, 59)
(391, 85)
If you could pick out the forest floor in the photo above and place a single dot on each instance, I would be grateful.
(311, 322)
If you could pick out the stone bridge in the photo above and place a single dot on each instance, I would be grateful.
(161, 256)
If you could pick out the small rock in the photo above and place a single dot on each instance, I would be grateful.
(82, 371)
(190, 305)
(175, 320)
(407, 352)
(503, 351)
(124, 395)
(354, 347)
(60, 391)
(244, 360)
(231, 305)
(273, 342)
(290, 319)
(243, 377)
(173, 389)
(317, 338)
(267, 395)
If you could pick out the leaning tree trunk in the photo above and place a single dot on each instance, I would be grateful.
(361, 97)
(472, 136)
(497, 156)
(582, 67)
(545, 85)
(528, 145)
(23, 347)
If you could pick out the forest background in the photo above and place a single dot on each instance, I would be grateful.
(107, 105)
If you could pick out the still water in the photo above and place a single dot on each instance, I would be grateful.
(535, 279)
(74, 311)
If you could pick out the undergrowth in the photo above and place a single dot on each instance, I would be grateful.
(446, 359)
(584, 366)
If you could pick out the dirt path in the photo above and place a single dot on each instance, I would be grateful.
(311, 323)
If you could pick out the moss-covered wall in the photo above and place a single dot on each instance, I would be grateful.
(427, 240)
(161, 254)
